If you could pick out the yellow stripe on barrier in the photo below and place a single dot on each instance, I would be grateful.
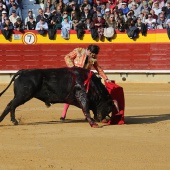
(118, 38)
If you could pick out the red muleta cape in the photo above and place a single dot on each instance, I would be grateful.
(117, 95)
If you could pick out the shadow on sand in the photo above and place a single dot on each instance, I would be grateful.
(146, 119)
(140, 119)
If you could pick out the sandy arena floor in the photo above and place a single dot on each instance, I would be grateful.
(41, 141)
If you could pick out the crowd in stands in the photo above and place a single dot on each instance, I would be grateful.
(100, 17)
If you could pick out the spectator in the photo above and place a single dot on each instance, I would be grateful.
(124, 8)
(107, 14)
(99, 24)
(99, 4)
(80, 27)
(62, 5)
(19, 25)
(120, 24)
(7, 28)
(109, 3)
(153, 14)
(167, 9)
(68, 16)
(72, 7)
(66, 26)
(86, 14)
(121, 15)
(49, 4)
(144, 15)
(3, 5)
(113, 9)
(135, 9)
(145, 6)
(31, 23)
(161, 22)
(9, 3)
(156, 8)
(73, 15)
(86, 4)
(141, 26)
(93, 12)
(52, 28)
(88, 24)
(161, 3)
(132, 30)
(30, 13)
(151, 22)
(13, 17)
(4, 16)
(47, 14)
(40, 15)
(111, 22)
(58, 10)
(58, 18)
(110, 27)
(130, 14)
(1, 9)
(42, 26)
(103, 8)
(17, 9)
(75, 21)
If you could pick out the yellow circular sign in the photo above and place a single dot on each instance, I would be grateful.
(29, 38)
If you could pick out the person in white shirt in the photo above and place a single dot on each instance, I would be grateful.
(156, 8)
(13, 17)
(42, 26)
(151, 22)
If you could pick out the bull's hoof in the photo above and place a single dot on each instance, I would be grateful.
(95, 125)
(48, 105)
(15, 122)
(104, 121)
(96, 119)
(62, 118)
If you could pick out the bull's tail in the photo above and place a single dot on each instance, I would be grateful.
(13, 78)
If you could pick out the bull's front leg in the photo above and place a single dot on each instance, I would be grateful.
(81, 97)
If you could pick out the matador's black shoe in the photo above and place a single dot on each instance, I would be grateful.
(62, 118)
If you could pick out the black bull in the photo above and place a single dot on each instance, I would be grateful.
(62, 85)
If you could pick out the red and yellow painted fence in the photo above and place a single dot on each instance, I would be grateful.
(31, 50)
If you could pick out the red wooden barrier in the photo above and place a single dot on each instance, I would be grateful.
(111, 57)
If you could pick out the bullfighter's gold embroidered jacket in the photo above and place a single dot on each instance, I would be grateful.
(78, 58)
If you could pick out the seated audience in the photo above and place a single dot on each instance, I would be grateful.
(31, 23)
(52, 28)
(110, 27)
(4, 16)
(15, 8)
(7, 28)
(99, 24)
(151, 22)
(40, 15)
(42, 26)
(141, 26)
(49, 4)
(66, 27)
(13, 17)
(161, 22)
(19, 25)
(30, 13)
